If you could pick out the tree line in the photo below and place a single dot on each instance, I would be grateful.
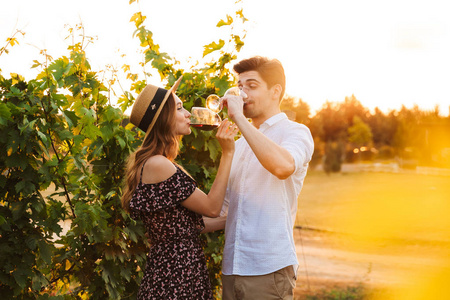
(349, 132)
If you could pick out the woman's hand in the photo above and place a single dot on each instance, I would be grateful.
(210, 205)
(225, 136)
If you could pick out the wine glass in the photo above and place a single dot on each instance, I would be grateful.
(204, 119)
(207, 118)
(213, 101)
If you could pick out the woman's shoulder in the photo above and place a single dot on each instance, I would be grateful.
(157, 168)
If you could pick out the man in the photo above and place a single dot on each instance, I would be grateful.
(269, 166)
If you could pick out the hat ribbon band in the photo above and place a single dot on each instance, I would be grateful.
(152, 109)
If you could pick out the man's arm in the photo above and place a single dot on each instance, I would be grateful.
(214, 224)
(272, 156)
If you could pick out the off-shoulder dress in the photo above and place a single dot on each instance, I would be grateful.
(176, 265)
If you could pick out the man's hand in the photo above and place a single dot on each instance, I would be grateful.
(235, 105)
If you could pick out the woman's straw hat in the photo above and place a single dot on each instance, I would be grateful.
(148, 105)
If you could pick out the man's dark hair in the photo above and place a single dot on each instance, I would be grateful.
(271, 70)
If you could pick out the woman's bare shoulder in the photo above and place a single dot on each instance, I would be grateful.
(158, 168)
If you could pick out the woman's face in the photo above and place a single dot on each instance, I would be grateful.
(182, 118)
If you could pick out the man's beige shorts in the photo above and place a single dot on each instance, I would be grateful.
(277, 285)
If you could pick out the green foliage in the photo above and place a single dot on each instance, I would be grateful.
(333, 157)
(348, 293)
(411, 135)
(74, 144)
(63, 233)
(359, 133)
(299, 109)
(11, 42)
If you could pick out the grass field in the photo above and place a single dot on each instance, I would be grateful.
(398, 206)
(397, 224)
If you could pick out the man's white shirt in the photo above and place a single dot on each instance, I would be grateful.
(261, 208)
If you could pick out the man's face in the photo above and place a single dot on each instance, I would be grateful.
(260, 98)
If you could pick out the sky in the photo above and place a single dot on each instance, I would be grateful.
(387, 53)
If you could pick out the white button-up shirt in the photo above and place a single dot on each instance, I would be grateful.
(262, 208)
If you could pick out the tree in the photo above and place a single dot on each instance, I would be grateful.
(74, 142)
(329, 123)
(299, 109)
(359, 134)
(333, 157)
(383, 127)
(350, 108)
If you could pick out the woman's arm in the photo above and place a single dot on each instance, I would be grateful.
(210, 204)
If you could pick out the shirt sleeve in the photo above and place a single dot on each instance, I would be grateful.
(299, 143)
(224, 211)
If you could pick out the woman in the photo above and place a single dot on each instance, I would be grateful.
(159, 192)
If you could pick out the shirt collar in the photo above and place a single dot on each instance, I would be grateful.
(273, 120)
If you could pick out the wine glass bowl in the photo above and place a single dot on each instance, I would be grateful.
(204, 118)
(235, 91)
(213, 101)
(207, 118)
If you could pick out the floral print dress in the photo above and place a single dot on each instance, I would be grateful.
(176, 265)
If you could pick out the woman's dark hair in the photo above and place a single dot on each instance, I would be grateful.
(161, 140)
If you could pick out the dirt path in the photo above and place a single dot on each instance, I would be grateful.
(330, 261)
